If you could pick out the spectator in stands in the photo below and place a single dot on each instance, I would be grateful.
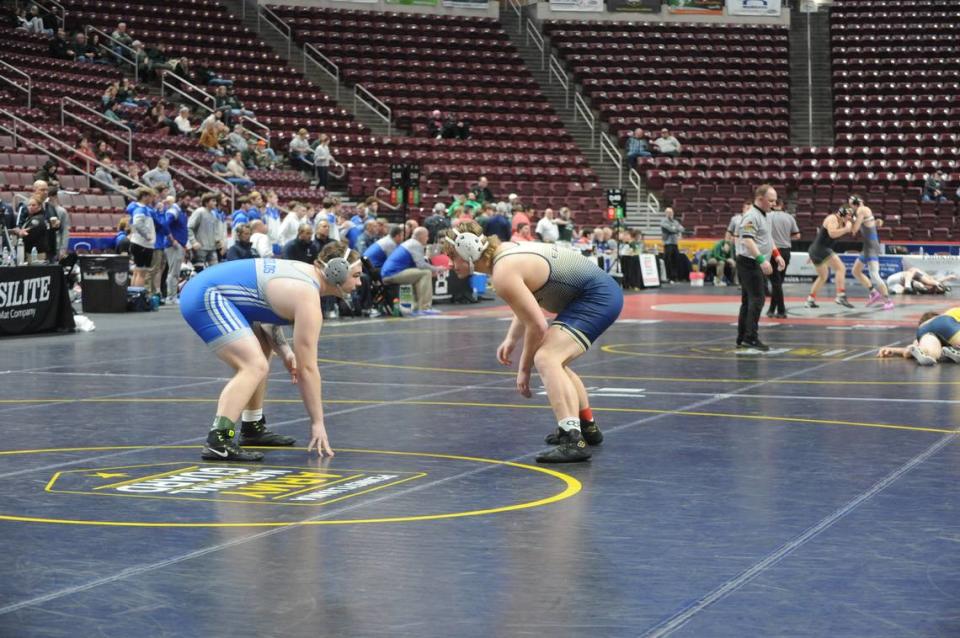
(484, 214)
(259, 238)
(436, 222)
(121, 241)
(157, 61)
(33, 228)
(522, 233)
(290, 226)
(238, 142)
(408, 264)
(183, 122)
(48, 173)
(720, 263)
(456, 128)
(32, 22)
(242, 247)
(226, 102)
(122, 37)
(637, 146)
(205, 74)
(369, 235)
(519, 217)
(435, 125)
(672, 230)
(203, 231)
(378, 251)
(499, 224)
(263, 156)
(667, 144)
(299, 152)
(178, 237)
(321, 161)
(61, 48)
(104, 175)
(85, 153)
(143, 234)
(547, 229)
(934, 186)
(302, 247)
(513, 201)
(211, 136)
(482, 191)
(160, 176)
(139, 55)
(85, 51)
(231, 174)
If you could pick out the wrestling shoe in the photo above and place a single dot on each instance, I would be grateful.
(875, 297)
(811, 303)
(888, 304)
(843, 301)
(950, 353)
(591, 434)
(220, 447)
(921, 357)
(573, 451)
(256, 433)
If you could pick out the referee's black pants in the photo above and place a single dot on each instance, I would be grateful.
(776, 285)
(752, 296)
(671, 258)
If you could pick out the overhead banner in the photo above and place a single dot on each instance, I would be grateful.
(712, 7)
(634, 6)
(753, 7)
(576, 5)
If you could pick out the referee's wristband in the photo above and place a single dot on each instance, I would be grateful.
(776, 253)
(761, 258)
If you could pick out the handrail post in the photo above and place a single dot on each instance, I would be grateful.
(265, 12)
(28, 90)
(386, 116)
(128, 140)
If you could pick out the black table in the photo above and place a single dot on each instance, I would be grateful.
(34, 299)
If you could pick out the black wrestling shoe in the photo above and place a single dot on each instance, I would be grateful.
(256, 433)
(755, 344)
(574, 450)
(842, 300)
(591, 434)
(220, 447)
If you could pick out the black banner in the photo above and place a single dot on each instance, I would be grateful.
(34, 299)
(634, 6)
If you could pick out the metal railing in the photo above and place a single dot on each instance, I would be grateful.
(534, 34)
(265, 14)
(55, 6)
(167, 85)
(27, 89)
(383, 202)
(653, 203)
(518, 9)
(373, 103)
(609, 149)
(125, 140)
(341, 173)
(263, 127)
(322, 62)
(18, 124)
(130, 56)
(557, 71)
(581, 108)
(634, 178)
(230, 187)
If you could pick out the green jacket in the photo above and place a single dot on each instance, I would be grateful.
(720, 251)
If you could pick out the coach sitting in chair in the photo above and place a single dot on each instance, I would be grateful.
(408, 264)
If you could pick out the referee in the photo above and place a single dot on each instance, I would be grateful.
(783, 229)
(754, 250)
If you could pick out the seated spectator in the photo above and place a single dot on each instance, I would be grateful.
(519, 217)
(211, 137)
(300, 153)
(522, 234)
(238, 171)
(435, 125)
(32, 22)
(721, 264)
(482, 191)
(160, 176)
(121, 241)
(934, 186)
(637, 147)
(157, 61)
(226, 102)
(263, 156)
(103, 176)
(49, 173)
(321, 161)
(408, 264)
(242, 247)
(378, 251)
(464, 216)
(456, 128)
(302, 247)
(85, 153)
(258, 237)
(205, 74)
(139, 56)
(85, 51)
(238, 142)
(183, 122)
(122, 37)
(61, 48)
(667, 144)
(547, 230)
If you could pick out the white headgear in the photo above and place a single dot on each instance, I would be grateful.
(469, 246)
(337, 270)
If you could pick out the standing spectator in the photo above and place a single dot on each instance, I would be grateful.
(547, 229)
(302, 247)
(934, 186)
(753, 262)
(242, 247)
(290, 226)
(178, 237)
(408, 264)
(637, 147)
(565, 225)
(667, 144)
(482, 191)
(160, 176)
(203, 231)
(299, 152)
(783, 230)
(259, 239)
(155, 282)
(671, 231)
(143, 234)
(321, 161)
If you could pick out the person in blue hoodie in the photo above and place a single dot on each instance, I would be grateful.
(176, 248)
(160, 243)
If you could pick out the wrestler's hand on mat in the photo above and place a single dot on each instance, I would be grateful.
(504, 351)
(290, 363)
(318, 439)
(781, 264)
(766, 268)
(523, 383)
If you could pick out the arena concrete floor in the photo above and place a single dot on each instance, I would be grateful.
(808, 491)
